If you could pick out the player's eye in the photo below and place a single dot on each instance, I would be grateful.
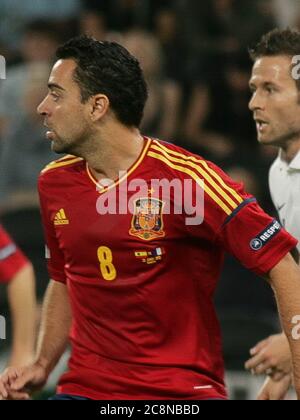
(270, 89)
(54, 96)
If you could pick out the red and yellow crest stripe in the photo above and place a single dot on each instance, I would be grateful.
(221, 193)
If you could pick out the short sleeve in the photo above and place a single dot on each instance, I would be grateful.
(12, 259)
(235, 221)
(255, 239)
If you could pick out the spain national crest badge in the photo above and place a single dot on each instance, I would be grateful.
(147, 222)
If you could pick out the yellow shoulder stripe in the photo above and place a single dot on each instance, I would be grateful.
(57, 164)
(203, 173)
(205, 165)
(196, 178)
(65, 158)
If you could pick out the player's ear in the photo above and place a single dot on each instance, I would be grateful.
(99, 106)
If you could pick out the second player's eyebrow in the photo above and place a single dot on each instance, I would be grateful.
(55, 86)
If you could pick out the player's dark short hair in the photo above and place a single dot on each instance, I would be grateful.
(277, 42)
(108, 68)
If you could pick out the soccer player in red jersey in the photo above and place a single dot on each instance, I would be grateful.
(17, 272)
(132, 287)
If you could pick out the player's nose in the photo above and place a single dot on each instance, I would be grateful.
(42, 108)
(255, 102)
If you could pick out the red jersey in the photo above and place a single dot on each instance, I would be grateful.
(141, 283)
(11, 258)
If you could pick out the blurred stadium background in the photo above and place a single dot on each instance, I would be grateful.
(194, 54)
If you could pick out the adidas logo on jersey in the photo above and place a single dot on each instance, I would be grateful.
(60, 218)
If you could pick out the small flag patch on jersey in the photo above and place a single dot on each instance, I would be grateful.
(60, 218)
(150, 257)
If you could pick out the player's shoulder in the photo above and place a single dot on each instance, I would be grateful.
(172, 149)
(65, 163)
(60, 171)
(179, 159)
(217, 185)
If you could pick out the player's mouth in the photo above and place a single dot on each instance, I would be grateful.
(50, 134)
(261, 125)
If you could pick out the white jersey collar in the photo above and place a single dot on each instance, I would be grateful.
(294, 164)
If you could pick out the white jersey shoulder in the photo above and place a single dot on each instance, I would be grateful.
(284, 183)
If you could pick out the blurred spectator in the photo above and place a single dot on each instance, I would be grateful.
(94, 23)
(168, 33)
(223, 26)
(239, 123)
(25, 152)
(39, 43)
(218, 102)
(122, 15)
(286, 12)
(198, 106)
(162, 109)
(15, 15)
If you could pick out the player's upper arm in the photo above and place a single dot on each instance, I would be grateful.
(240, 226)
(53, 253)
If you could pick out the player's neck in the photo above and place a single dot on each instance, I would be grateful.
(115, 149)
(290, 151)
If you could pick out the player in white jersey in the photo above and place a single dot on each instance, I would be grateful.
(275, 104)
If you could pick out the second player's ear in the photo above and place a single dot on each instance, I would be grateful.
(100, 105)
